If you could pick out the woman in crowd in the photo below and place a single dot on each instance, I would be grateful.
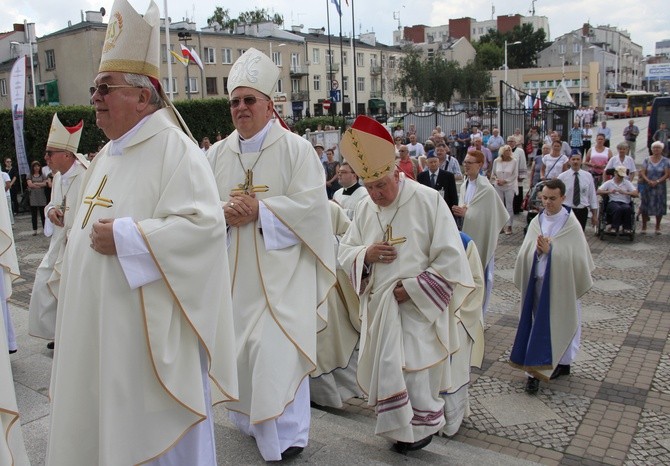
(596, 159)
(36, 184)
(654, 173)
(535, 139)
(504, 178)
(554, 163)
(623, 160)
(332, 166)
(536, 165)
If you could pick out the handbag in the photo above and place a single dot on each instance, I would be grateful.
(526, 200)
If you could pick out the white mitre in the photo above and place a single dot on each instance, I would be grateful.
(253, 69)
(64, 137)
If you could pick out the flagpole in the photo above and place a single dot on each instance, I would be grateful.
(330, 61)
(167, 50)
(341, 63)
(353, 57)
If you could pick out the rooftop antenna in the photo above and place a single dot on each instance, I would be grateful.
(493, 11)
(396, 16)
(532, 7)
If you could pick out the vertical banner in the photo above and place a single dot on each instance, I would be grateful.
(17, 85)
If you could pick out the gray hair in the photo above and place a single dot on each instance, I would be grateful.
(622, 145)
(657, 144)
(139, 80)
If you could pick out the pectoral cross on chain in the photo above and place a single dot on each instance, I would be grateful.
(96, 201)
(63, 205)
(248, 186)
(388, 237)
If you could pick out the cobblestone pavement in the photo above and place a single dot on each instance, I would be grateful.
(613, 409)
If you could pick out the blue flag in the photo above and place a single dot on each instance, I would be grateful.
(337, 6)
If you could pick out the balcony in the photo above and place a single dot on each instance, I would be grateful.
(375, 94)
(375, 70)
(299, 96)
(299, 70)
(332, 68)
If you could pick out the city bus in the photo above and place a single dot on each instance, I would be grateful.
(628, 104)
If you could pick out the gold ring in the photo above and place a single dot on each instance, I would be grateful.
(232, 204)
(381, 258)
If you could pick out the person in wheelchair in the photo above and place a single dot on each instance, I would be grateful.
(619, 208)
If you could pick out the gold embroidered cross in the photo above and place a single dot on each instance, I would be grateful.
(388, 237)
(248, 186)
(95, 200)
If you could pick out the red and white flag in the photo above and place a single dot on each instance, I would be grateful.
(191, 55)
(537, 105)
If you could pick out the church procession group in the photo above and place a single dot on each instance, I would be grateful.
(174, 282)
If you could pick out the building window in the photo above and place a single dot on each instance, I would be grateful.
(360, 59)
(211, 86)
(575, 48)
(50, 59)
(167, 88)
(295, 85)
(225, 85)
(361, 84)
(227, 56)
(329, 57)
(316, 56)
(210, 55)
(561, 49)
(317, 82)
(276, 58)
(392, 62)
(344, 58)
(192, 85)
(345, 83)
(240, 52)
(280, 86)
(373, 60)
(3, 86)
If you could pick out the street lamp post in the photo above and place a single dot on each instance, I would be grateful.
(506, 44)
(581, 75)
(186, 36)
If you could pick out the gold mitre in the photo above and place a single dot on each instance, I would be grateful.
(64, 137)
(368, 148)
(253, 69)
(132, 41)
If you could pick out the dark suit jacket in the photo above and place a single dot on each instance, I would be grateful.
(445, 180)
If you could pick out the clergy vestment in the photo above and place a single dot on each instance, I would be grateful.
(127, 383)
(485, 217)
(348, 198)
(334, 379)
(43, 300)
(279, 285)
(404, 346)
(12, 449)
(550, 286)
(470, 320)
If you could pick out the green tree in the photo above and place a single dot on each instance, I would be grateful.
(433, 79)
(523, 55)
(475, 81)
(222, 17)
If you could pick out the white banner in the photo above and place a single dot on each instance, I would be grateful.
(17, 85)
(657, 71)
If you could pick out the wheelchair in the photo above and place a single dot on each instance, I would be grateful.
(604, 220)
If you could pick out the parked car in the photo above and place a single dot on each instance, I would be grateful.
(660, 112)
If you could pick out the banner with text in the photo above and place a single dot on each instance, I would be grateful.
(17, 84)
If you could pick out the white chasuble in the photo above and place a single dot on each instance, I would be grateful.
(278, 294)
(126, 383)
(404, 346)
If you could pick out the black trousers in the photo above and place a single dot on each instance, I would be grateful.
(582, 215)
(620, 214)
(518, 200)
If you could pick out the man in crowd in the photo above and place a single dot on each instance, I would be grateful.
(576, 137)
(351, 192)
(447, 161)
(587, 136)
(520, 156)
(406, 164)
(495, 142)
(144, 321)
(415, 148)
(605, 131)
(463, 139)
(481, 214)
(580, 192)
(552, 271)
(14, 184)
(61, 152)
(488, 156)
(272, 187)
(405, 258)
(440, 180)
(630, 134)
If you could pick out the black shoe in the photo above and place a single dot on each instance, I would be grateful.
(532, 385)
(404, 447)
(12, 351)
(561, 369)
(290, 452)
(51, 345)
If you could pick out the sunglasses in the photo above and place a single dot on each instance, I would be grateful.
(50, 153)
(103, 88)
(248, 100)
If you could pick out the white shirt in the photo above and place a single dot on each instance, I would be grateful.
(628, 162)
(618, 196)
(587, 190)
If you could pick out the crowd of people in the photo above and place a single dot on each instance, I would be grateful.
(174, 282)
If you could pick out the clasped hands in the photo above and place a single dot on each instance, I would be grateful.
(384, 253)
(543, 244)
(241, 209)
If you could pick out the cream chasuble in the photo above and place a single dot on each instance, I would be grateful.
(402, 342)
(12, 449)
(485, 217)
(569, 274)
(43, 300)
(277, 294)
(126, 383)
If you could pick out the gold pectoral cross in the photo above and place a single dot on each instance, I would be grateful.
(248, 186)
(63, 205)
(95, 201)
(388, 237)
